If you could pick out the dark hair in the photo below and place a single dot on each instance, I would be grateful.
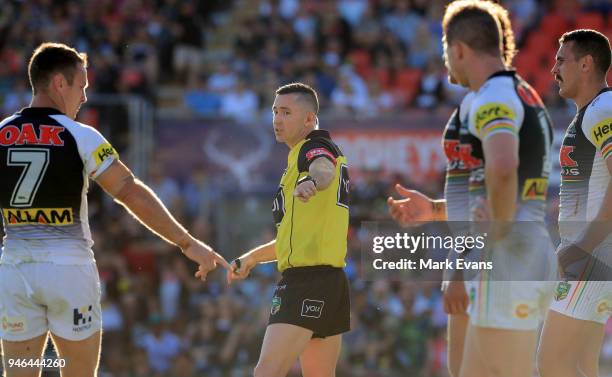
(474, 23)
(590, 42)
(50, 58)
(307, 93)
(508, 42)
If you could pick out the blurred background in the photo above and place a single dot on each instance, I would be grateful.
(183, 90)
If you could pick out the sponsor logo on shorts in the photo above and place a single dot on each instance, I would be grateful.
(604, 306)
(38, 216)
(312, 308)
(276, 304)
(14, 324)
(535, 189)
(562, 290)
(81, 318)
(523, 310)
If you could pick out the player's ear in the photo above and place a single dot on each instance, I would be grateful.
(459, 48)
(586, 63)
(58, 81)
(311, 119)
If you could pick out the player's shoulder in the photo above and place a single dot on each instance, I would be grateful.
(72, 124)
(466, 102)
(80, 131)
(600, 107)
(597, 120)
(498, 88)
(8, 119)
(468, 98)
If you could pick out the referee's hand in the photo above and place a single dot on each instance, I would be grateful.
(305, 190)
(239, 269)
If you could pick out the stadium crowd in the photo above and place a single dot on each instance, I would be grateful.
(367, 58)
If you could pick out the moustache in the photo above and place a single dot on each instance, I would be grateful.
(558, 78)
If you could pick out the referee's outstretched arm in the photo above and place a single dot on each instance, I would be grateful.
(320, 175)
(241, 266)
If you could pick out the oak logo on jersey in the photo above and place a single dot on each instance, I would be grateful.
(535, 189)
(491, 112)
(103, 152)
(48, 135)
(569, 166)
(451, 150)
(38, 216)
(466, 156)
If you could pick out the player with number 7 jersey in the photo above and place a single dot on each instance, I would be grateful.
(46, 159)
(49, 282)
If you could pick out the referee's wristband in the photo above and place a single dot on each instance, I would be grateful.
(306, 179)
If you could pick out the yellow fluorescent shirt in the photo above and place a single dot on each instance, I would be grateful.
(312, 233)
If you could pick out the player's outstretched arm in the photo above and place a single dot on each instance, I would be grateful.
(415, 207)
(320, 175)
(118, 181)
(242, 266)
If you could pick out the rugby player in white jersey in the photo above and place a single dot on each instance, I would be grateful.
(415, 206)
(48, 278)
(507, 152)
(574, 327)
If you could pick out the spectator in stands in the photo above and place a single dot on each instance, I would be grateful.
(240, 103)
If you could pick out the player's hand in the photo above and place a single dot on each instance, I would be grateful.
(305, 190)
(455, 298)
(573, 261)
(204, 256)
(240, 269)
(414, 208)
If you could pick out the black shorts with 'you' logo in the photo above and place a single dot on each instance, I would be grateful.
(313, 297)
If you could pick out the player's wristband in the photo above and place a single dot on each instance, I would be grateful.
(306, 179)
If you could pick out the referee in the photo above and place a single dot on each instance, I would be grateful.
(310, 308)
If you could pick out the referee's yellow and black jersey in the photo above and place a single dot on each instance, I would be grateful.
(312, 233)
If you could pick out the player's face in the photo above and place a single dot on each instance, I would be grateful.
(74, 95)
(289, 119)
(566, 71)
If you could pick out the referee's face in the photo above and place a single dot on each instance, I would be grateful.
(289, 119)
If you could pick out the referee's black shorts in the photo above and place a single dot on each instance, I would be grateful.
(315, 298)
